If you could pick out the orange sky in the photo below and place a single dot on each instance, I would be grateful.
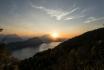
(61, 34)
(30, 33)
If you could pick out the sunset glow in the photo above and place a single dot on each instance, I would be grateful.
(55, 35)
(65, 18)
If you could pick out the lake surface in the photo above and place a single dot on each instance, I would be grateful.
(30, 51)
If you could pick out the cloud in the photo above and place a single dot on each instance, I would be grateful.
(90, 19)
(59, 15)
(69, 18)
(74, 17)
(93, 19)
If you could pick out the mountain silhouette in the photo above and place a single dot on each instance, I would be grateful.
(32, 42)
(14, 42)
(84, 52)
(48, 39)
(10, 38)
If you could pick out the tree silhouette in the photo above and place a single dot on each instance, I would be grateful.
(1, 29)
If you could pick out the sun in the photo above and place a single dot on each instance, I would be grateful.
(55, 35)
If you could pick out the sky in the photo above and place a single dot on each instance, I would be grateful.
(39, 17)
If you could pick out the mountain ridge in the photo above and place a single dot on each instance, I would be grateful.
(84, 52)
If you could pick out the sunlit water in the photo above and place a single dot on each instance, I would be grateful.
(30, 51)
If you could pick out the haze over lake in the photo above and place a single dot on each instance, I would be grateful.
(30, 51)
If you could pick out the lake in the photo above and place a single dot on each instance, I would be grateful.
(30, 51)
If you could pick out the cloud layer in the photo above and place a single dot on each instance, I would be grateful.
(59, 15)
(93, 19)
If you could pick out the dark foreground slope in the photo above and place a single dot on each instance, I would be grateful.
(85, 52)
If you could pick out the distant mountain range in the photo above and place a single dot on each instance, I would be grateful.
(33, 42)
(84, 52)
(10, 38)
(14, 42)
